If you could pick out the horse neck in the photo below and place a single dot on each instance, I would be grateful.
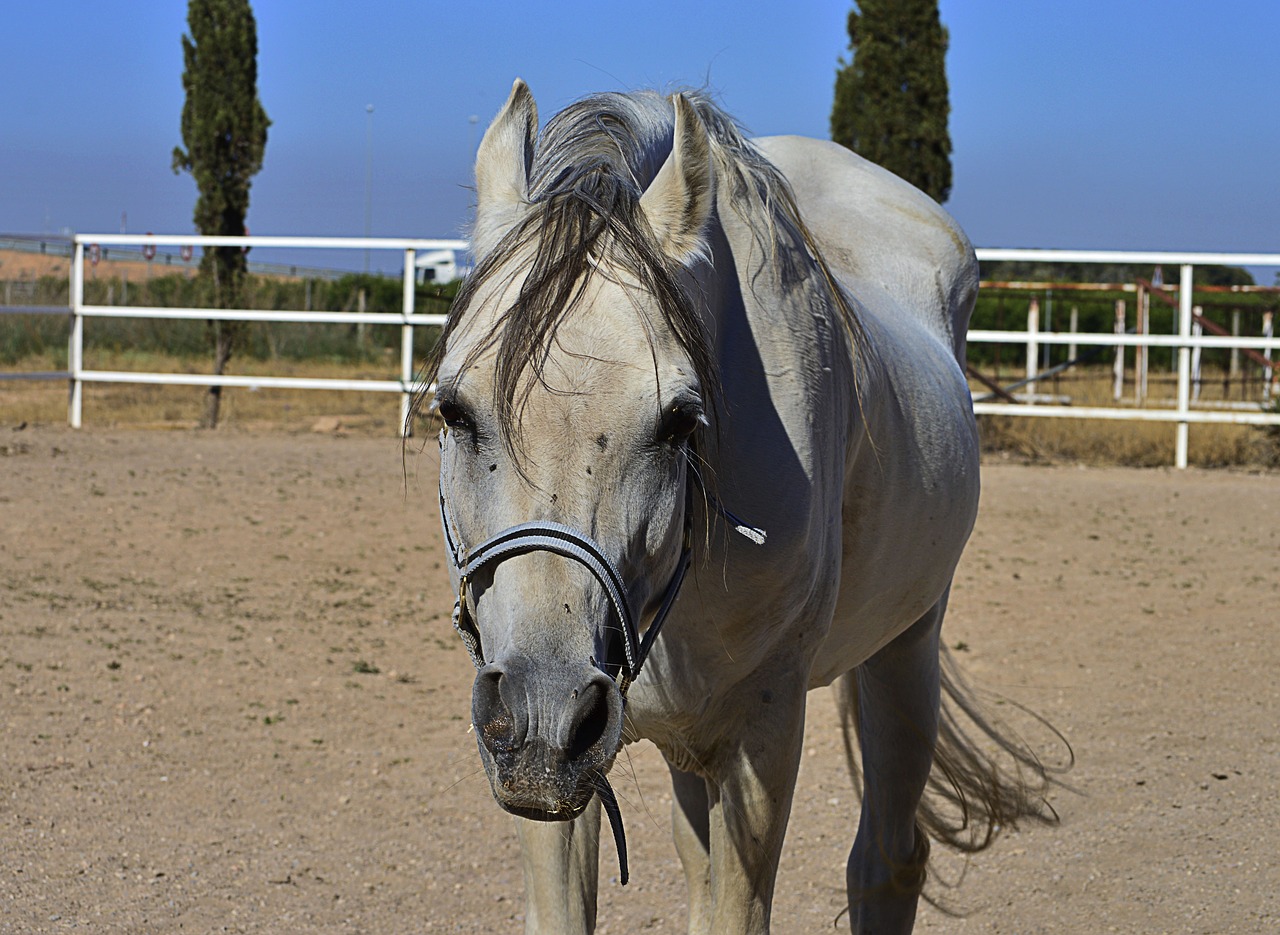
(762, 288)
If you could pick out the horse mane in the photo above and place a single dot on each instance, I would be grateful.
(592, 163)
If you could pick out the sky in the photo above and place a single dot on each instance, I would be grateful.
(1074, 123)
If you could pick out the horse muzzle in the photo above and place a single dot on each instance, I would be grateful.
(545, 733)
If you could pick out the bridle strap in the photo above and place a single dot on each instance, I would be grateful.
(563, 540)
(539, 536)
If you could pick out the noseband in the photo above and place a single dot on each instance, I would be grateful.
(538, 536)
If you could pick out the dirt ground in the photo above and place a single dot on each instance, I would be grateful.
(231, 701)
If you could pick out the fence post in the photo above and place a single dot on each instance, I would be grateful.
(1234, 371)
(1141, 353)
(406, 343)
(1072, 349)
(1184, 365)
(75, 348)
(1268, 375)
(1197, 330)
(1119, 365)
(1033, 345)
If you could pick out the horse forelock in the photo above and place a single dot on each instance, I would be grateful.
(592, 163)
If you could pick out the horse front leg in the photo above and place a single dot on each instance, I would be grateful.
(897, 692)
(691, 828)
(561, 863)
(750, 802)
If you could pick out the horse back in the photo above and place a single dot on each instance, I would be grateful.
(881, 236)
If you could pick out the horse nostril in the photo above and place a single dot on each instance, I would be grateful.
(589, 719)
(490, 714)
(545, 717)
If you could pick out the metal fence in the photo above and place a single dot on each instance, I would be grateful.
(1185, 342)
(407, 318)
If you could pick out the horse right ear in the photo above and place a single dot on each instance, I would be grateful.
(678, 201)
(502, 169)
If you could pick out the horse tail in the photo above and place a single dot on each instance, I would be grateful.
(985, 778)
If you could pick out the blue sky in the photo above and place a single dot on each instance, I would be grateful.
(1087, 123)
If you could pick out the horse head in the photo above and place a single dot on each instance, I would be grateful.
(572, 378)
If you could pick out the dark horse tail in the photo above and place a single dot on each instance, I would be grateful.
(985, 778)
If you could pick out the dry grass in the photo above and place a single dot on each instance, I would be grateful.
(1137, 444)
(153, 406)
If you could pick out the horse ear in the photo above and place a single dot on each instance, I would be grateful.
(678, 202)
(502, 169)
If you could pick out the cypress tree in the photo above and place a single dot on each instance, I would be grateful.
(891, 102)
(224, 132)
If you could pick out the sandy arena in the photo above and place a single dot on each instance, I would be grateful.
(231, 701)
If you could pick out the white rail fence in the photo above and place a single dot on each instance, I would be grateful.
(407, 318)
(1188, 341)
(1184, 342)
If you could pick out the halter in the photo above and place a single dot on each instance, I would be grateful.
(538, 536)
(563, 540)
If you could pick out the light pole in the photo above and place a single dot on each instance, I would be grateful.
(368, 179)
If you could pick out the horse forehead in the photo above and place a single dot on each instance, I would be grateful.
(588, 386)
(610, 298)
(611, 344)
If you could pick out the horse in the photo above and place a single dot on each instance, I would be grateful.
(708, 445)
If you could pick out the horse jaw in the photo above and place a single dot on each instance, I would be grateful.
(503, 163)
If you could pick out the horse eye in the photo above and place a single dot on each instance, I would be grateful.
(453, 415)
(680, 422)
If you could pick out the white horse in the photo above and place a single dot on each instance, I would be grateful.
(668, 322)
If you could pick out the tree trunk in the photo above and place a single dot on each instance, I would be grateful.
(223, 342)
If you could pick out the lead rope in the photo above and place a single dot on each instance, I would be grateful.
(609, 802)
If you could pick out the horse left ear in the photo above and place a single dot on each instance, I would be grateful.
(678, 202)
(502, 169)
